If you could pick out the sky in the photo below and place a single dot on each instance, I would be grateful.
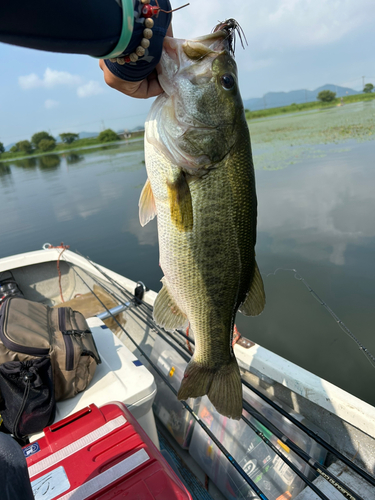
(292, 44)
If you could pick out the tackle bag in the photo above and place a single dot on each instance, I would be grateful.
(30, 330)
(27, 390)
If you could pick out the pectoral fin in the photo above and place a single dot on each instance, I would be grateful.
(255, 298)
(147, 207)
(167, 314)
(180, 203)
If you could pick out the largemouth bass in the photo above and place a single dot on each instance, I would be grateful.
(201, 187)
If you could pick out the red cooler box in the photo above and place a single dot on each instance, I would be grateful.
(100, 453)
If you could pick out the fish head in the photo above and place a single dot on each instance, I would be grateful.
(194, 121)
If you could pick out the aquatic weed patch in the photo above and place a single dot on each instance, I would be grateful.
(285, 140)
(357, 131)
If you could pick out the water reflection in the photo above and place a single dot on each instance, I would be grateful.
(318, 209)
(27, 163)
(73, 158)
(49, 162)
(4, 169)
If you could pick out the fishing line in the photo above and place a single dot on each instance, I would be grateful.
(307, 431)
(341, 324)
(225, 452)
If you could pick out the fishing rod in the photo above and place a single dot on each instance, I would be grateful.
(187, 357)
(225, 452)
(261, 434)
(310, 433)
(151, 325)
(340, 486)
(129, 296)
(319, 468)
(112, 280)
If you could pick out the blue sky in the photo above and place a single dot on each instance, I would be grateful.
(292, 44)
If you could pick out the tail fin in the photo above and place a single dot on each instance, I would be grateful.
(223, 386)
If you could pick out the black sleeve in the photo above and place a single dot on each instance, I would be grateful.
(91, 27)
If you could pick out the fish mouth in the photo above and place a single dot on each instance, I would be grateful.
(179, 54)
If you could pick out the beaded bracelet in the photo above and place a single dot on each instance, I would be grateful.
(148, 11)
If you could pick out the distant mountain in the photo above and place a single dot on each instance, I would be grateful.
(276, 99)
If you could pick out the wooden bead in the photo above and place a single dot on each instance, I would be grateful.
(149, 23)
(145, 43)
(113, 59)
(147, 33)
(140, 51)
(120, 60)
(145, 1)
(133, 57)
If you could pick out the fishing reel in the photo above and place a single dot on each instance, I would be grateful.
(8, 287)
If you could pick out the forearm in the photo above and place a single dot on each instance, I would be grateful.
(74, 26)
(91, 27)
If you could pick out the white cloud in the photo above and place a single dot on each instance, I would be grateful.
(279, 24)
(89, 89)
(50, 103)
(29, 81)
(51, 78)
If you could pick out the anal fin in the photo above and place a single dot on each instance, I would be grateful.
(167, 314)
(147, 207)
(255, 298)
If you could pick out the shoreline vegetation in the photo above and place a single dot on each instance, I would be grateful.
(308, 106)
(83, 145)
(92, 143)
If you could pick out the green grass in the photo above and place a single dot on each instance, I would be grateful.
(308, 106)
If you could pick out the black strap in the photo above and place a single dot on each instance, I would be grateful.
(27, 377)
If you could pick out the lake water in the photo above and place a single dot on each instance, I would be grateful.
(315, 176)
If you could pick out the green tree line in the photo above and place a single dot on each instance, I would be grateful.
(43, 142)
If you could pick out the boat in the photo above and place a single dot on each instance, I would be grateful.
(300, 437)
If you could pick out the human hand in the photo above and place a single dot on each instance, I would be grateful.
(143, 89)
(149, 87)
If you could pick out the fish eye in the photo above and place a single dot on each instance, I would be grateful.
(227, 81)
